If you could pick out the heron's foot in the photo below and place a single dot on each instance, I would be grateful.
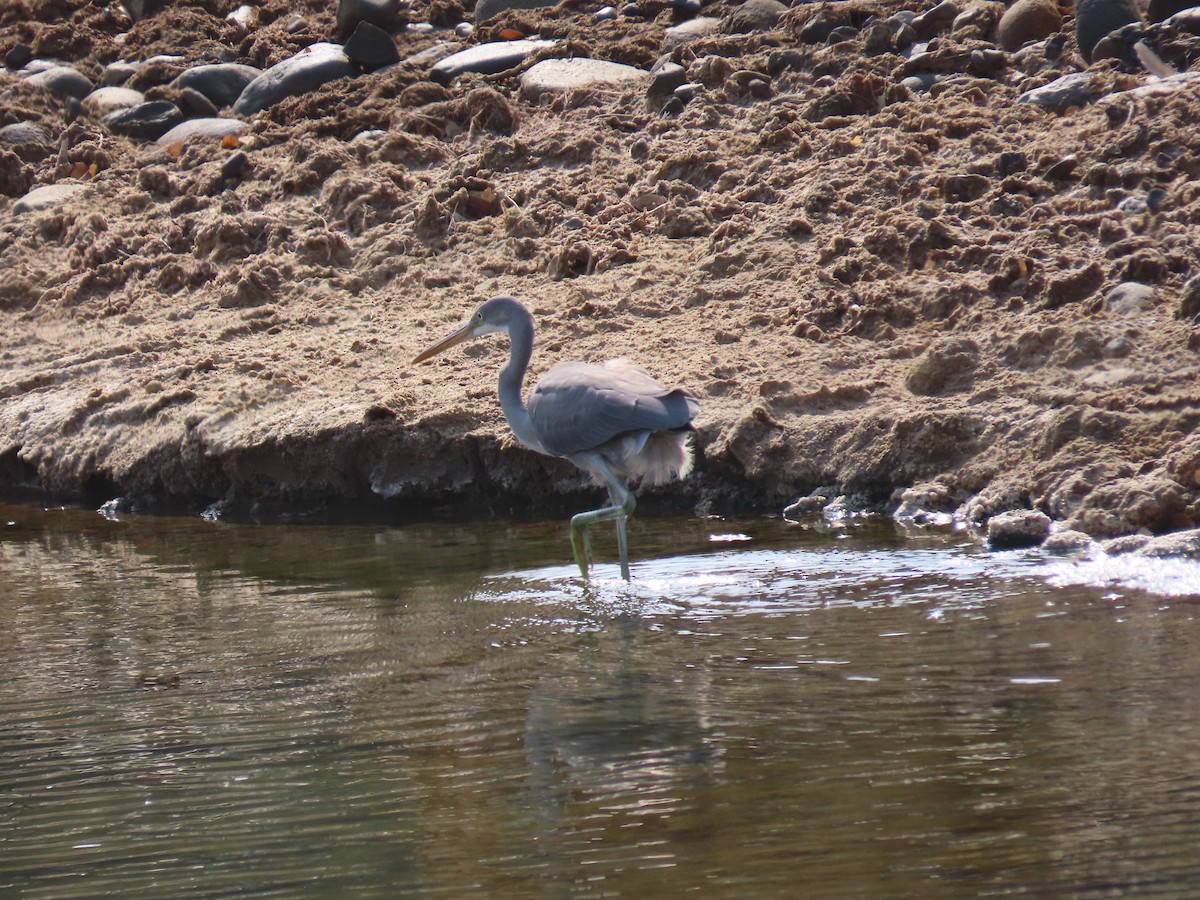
(581, 543)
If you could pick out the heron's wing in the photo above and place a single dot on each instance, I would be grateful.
(579, 406)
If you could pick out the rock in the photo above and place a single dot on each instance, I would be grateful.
(304, 72)
(553, 76)
(117, 73)
(1186, 18)
(222, 83)
(63, 80)
(1189, 300)
(51, 195)
(1129, 505)
(919, 84)
(1129, 543)
(1067, 542)
(667, 76)
(691, 30)
(1129, 299)
(105, 100)
(146, 121)
(235, 165)
(1119, 44)
(486, 59)
(1062, 93)
(1094, 19)
(936, 20)
(202, 129)
(754, 15)
(25, 138)
(485, 9)
(877, 38)
(965, 187)
(18, 56)
(384, 14)
(1027, 21)
(371, 47)
(195, 103)
(1017, 528)
(142, 9)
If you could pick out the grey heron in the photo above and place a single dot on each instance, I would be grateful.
(613, 420)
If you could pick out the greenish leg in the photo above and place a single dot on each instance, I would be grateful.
(623, 503)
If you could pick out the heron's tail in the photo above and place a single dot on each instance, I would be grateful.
(665, 456)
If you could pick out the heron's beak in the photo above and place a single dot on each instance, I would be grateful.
(463, 334)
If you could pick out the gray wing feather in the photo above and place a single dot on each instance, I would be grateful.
(579, 406)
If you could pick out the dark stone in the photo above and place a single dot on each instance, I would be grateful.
(842, 33)
(236, 165)
(117, 73)
(672, 107)
(667, 77)
(1011, 162)
(1063, 169)
(142, 9)
(1189, 300)
(1160, 10)
(146, 121)
(196, 104)
(936, 20)
(1094, 19)
(1016, 529)
(304, 72)
(222, 83)
(817, 30)
(18, 56)
(371, 47)
(383, 14)
(965, 187)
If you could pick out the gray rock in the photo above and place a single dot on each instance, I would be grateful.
(51, 195)
(195, 103)
(1094, 19)
(1189, 299)
(553, 76)
(486, 59)
(691, 30)
(222, 83)
(384, 14)
(105, 100)
(18, 56)
(919, 84)
(485, 9)
(754, 15)
(371, 47)
(235, 165)
(202, 129)
(667, 77)
(1017, 528)
(304, 72)
(63, 80)
(119, 72)
(1129, 298)
(146, 121)
(1061, 93)
(21, 134)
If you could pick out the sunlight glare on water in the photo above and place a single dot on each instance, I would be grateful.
(447, 710)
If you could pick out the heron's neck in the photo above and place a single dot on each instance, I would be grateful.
(512, 381)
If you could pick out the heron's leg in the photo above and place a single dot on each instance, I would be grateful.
(623, 503)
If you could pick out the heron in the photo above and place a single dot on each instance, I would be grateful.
(612, 420)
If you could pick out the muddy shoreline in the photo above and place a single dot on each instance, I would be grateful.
(942, 300)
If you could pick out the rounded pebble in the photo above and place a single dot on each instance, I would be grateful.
(1026, 21)
(63, 80)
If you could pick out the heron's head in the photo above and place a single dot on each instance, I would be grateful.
(497, 314)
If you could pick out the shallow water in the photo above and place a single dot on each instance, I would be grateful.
(444, 710)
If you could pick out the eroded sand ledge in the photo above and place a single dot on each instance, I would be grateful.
(866, 288)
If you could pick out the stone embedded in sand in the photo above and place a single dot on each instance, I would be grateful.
(384, 14)
(692, 30)
(105, 100)
(18, 56)
(486, 59)
(304, 72)
(1017, 528)
(371, 47)
(117, 73)
(485, 9)
(146, 121)
(1094, 19)
(202, 129)
(20, 134)
(754, 15)
(553, 76)
(1129, 298)
(222, 83)
(1067, 542)
(63, 80)
(50, 195)
(1061, 93)
(1026, 21)
(1189, 299)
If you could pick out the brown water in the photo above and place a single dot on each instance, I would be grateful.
(189, 708)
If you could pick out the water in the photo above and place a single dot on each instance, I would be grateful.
(444, 710)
